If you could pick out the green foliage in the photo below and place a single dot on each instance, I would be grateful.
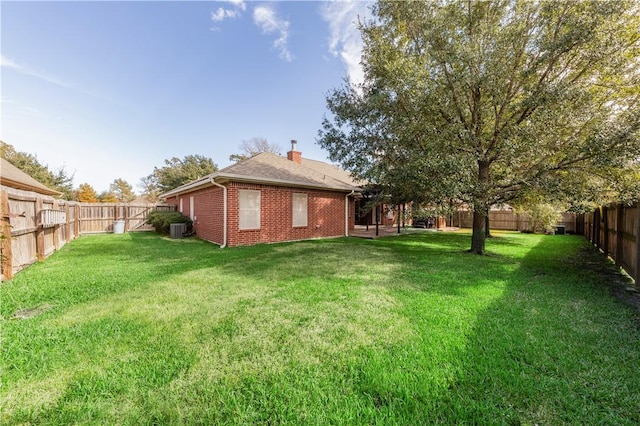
(434, 210)
(484, 102)
(408, 330)
(86, 194)
(108, 197)
(58, 180)
(177, 172)
(161, 220)
(544, 217)
(122, 190)
(149, 187)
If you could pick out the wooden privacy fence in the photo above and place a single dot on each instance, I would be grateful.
(615, 230)
(508, 220)
(34, 226)
(100, 218)
(612, 229)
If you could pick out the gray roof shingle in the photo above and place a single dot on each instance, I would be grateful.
(271, 169)
(13, 177)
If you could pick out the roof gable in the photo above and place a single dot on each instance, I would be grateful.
(270, 167)
(13, 177)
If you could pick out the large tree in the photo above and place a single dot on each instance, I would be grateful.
(108, 197)
(149, 187)
(122, 190)
(254, 146)
(86, 194)
(177, 172)
(492, 102)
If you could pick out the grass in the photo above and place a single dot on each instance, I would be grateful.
(138, 329)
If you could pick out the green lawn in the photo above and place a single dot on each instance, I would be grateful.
(138, 329)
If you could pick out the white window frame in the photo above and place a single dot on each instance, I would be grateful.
(249, 214)
(192, 215)
(180, 208)
(300, 209)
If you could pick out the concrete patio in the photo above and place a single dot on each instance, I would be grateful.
(361, 231)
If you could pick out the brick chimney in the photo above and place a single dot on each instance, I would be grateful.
(293, 155)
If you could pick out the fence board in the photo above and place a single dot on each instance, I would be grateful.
(615, 231)
(507, 220)
(24, 252)
(27, 240)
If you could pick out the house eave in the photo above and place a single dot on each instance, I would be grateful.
(189, 187)
(223, 178)
(228, 177)
(25, 187)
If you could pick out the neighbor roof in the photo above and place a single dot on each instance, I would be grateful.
(271, 169)
(13, 177)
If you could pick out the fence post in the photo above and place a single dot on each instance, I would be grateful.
(636, 273)
(39, 230)
(67, 234)
(596, 228)
(76, 222)
(7, 254)
(56, 230)
(605, 223)
(619, 234)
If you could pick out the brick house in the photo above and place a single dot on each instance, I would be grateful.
(268, 198)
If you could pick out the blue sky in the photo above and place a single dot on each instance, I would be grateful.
(111, 89)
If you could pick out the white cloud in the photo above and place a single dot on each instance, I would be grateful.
(222, 13)
(269, 22)
(240, 4)
(8, 63)
(344, 36)
(25, 70)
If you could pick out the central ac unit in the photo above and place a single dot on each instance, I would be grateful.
(177, 230)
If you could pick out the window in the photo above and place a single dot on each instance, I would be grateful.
(249, 209)
(299, 209)
(180, 209)
(192, 215)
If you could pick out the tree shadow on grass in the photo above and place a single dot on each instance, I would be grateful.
(553, 349)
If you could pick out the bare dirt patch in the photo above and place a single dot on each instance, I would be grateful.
(30, 312)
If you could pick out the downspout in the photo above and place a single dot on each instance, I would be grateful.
(224, 209)
(346, 212)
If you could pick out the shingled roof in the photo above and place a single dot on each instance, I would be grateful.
(270, 169)
(13, 177)
(331, 170)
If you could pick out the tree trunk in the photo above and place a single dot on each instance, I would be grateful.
(487, 229)
(480, 210)
(479, 232)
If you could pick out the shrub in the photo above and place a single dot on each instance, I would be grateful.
(544, 217)
(161, 221)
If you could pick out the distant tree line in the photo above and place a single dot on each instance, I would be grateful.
(174, 173)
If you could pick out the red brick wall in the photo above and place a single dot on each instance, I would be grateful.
(208, 211)
(325, 215)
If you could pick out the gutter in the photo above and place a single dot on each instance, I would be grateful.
(186, 188)
(346, 212)
(224, 209)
